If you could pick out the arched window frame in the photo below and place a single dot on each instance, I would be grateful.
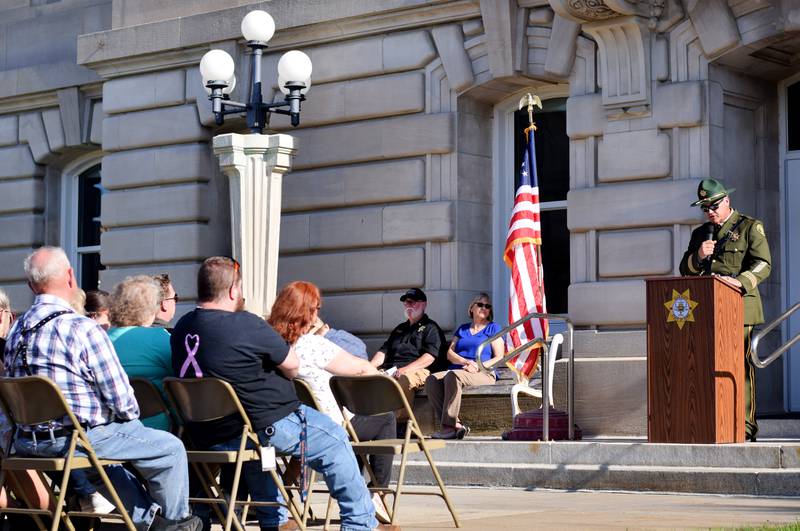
(503, 170)
(70, 222)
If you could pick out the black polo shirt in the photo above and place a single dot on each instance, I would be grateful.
(409, 342)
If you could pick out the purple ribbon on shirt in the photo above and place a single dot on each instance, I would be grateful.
(190, 353)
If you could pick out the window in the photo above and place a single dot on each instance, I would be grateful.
(792, 112)
(552, 164)
(81, 225)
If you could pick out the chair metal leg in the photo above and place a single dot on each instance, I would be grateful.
(237, 474)
(441, 484)
(111, 491)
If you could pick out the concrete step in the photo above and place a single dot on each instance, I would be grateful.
(758, 469)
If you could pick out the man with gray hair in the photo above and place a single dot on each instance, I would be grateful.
(51, 340)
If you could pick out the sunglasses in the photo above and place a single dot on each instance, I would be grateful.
(483, 305)
(236, 268)
(711, 208)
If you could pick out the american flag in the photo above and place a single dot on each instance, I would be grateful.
(522, 255)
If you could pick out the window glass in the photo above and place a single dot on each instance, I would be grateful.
(88, 228)
(793, 116)
(552, 166)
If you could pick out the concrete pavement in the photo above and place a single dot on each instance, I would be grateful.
(521, 509)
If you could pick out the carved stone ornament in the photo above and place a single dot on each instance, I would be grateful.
(590, 9)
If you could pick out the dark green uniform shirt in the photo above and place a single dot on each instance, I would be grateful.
(745, 256)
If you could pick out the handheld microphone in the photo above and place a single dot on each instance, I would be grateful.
(709, 232)
(709, 235)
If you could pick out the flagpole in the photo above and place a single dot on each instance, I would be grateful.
(530, 101)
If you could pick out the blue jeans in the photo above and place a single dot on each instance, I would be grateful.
(157, 455)
(328, 452)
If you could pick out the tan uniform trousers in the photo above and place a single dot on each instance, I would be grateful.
(444, 392)
(410, 382)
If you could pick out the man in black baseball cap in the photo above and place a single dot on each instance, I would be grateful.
(415, 348)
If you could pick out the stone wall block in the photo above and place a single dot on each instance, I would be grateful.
(441, 308)
(498, 22)
(18, 162)
(367, 141)
(295, 233)
(54, 130)
(360, 100)
(474, 176)
(160, 89)
(633, 155)
(157, 244)
(172, 204)
(96, 125)
(385, 269)
(11, 266)
(679, 104)
(418, 222)
(327, 270)
(589, 303)
(20, 294)
(21, 195)
(474, 266)
(358, 227)
(170, 125)
(450, 44)
(22, 230)
(715, 26)
(407, 51)
(357, 313)
(474, 222)
(383, 182)
(9, 130)
(31, 130)
(634, 253)
(347, 60)
(585, 116)
(561, 50)
(182, 276)
(632, 205)
(158, 166)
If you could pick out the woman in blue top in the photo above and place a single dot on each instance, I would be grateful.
(444, 388)
(143, 351)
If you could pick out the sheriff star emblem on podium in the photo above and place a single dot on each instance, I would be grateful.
(680, 308)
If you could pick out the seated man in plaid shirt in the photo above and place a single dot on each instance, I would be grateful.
(75, 352)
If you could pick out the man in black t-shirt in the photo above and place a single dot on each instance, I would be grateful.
(415, 347)
(219, 339)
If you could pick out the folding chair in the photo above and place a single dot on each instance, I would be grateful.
(206, 399)
(375, 395)
(151, 403)
(49, 405)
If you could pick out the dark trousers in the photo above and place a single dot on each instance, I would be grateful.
(377, 428)
(750, 424)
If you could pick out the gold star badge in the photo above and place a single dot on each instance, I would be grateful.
(680, 308)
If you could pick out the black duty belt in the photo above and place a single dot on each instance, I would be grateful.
(45, 434)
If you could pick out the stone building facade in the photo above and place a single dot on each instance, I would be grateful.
(405, 164)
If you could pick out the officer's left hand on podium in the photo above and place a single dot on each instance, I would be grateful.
(731, 281)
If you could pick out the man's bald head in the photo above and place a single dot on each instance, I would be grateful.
(48, 271)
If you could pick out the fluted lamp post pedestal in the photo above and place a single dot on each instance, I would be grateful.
(255, 166)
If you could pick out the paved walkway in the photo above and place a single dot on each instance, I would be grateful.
(520, 509)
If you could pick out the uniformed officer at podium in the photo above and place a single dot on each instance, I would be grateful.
(733, 246)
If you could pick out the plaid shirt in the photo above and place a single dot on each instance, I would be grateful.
(74, 352)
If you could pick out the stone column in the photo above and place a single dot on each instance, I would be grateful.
(255, 165)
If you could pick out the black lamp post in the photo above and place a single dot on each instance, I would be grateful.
(294, 77)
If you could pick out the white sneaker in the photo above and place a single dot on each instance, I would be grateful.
(380, 509)
(96, 503)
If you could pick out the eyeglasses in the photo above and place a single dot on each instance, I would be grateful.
(712, 208)
(483, 305)
(173, 298)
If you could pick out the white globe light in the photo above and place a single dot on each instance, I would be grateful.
(258, 26)
(216, 65)
(285, 90)
(294, 65)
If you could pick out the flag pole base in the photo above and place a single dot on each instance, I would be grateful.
(529, 426)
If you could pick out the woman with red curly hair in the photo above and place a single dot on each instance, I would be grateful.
(294, 315)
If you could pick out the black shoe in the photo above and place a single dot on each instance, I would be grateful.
(190, 523)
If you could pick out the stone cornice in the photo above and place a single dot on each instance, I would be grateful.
(36, 87)
(183, 41)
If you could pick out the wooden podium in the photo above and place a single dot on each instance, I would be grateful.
(695, 361)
